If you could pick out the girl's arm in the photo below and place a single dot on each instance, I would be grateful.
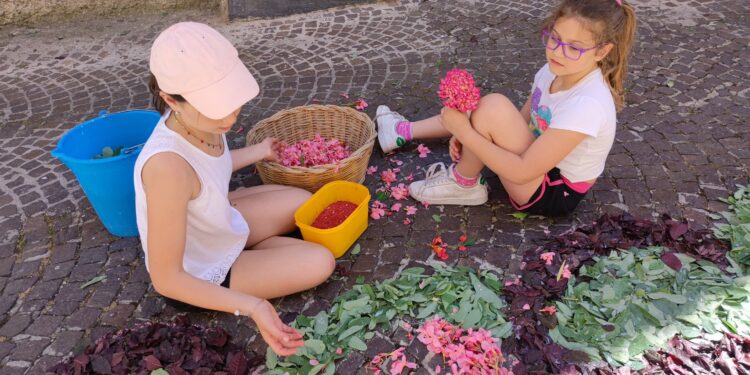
(242, 157)
(543, 154)
(170, 183)
(526, 110)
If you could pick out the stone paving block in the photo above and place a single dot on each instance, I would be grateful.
(44, 325)
(64, 343)
(29, 350)
(44, 363)
(15, 324)
(45, 289)
(118, 315)
(82, 319)
(58, 270)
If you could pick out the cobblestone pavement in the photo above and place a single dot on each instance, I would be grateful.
(682, 143)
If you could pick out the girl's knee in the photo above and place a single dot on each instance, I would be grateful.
(492, 108)
(323, 261)
(298, 196)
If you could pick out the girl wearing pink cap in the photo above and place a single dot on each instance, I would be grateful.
(193, 229)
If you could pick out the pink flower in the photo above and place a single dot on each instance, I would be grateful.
(311, 152)
(407, 221)
(360, 104)
(396, 207)
(314, 362)
(423, 150)
(566, 273)
(458, 90)
(515, 281)
(388, 176)
(377, 213)
(526, 306)
(410, 177)
(371, 170)
(547, 257)
(345, 95)
(411, 210)
(400, 192)
(463, 238)
(339, 351)
(438, 369)
(551, 310)
(426, 204)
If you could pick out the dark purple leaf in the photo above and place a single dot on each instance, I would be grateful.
(237, 364)
(677, 229)
(100, 365)
(216, 337)
(671, 260)
(151, 363)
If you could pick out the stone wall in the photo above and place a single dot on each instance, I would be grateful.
(20, 12)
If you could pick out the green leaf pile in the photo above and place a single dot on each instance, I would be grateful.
(459, 294)
(737, 229)
(631, 301)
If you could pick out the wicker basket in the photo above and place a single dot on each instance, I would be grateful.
(353, 128)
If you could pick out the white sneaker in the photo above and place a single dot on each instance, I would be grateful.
(387, 137)
(441, 187)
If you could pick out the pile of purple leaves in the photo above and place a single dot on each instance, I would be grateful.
(178, 348)
(728, 355)
(539, 285)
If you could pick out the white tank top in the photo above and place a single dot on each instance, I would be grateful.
(216, 232)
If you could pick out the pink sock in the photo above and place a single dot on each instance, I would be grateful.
(403, 129)
(464, 181)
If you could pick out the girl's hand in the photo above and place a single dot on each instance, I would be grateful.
(454, 147)
(270, 148)
(454, 120)
(282, 339)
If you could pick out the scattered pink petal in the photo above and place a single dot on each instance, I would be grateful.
(411, 210)
(400, 192)
(547, 257)
(377, 213)
(396, 207)
(388, 176)
(410, 177)
(240, 130)
(314, 362)
(526, 307)
(360, 104)
(426, 204)
(407, 221)
(566, 272)
(345, 95)
(423, 150)
(438, 369)
(463, 238)
(551, 310)
(339, 351)
(371, 170)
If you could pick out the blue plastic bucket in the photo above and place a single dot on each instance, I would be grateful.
(108, 182)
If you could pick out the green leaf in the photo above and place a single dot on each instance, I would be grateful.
(271, 359)
(381, 196)
(427, 310)
(321, 323)
(350, 331)
(470, 241)
(159, 371)
(519, 215)
(94, 280)
(485, 293)
(316, 346)
(436, 218)
(678, 299)
(472, 318)
(356, 249)
(330, 369)
(315, 370)
(357, 344)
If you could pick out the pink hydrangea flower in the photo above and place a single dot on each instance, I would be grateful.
(423, 150)
(547, 257)
(458, 90)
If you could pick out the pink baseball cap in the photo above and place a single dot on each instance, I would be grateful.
(194, 60)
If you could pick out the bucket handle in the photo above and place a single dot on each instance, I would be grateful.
(132, 149)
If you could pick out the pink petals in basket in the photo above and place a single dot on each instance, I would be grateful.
(312, 152)
(458, 91)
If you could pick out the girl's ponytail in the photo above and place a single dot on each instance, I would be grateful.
(615, 65)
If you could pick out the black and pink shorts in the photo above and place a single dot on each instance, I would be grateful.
(556, 196)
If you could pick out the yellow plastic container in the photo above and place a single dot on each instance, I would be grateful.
(339, 238)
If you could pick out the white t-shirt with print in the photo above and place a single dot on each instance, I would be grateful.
(588, 108)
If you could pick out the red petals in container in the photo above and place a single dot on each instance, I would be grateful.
(459, 91)
(333, 215)
(311, 152)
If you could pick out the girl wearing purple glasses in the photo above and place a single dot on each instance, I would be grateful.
(550, 153)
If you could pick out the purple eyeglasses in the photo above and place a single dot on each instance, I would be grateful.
(569, 51)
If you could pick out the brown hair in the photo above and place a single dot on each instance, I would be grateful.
(610, 22)
(156, 100)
